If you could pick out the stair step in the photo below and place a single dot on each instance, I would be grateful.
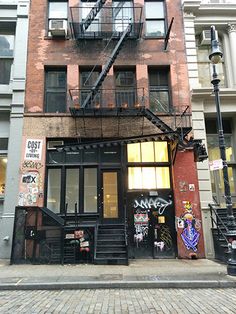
(112, 252)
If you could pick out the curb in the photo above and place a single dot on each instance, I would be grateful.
(196, 284)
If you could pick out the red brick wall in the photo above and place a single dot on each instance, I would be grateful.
(186, 190)
(145, 52)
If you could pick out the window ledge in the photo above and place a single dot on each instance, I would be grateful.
(153, 37)
(47, 114)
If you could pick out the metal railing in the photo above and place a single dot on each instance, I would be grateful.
(216, 220)
(109, 21)
(131, 98)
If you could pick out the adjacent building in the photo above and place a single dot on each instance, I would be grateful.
(13, 53)
(107, 170)
(198, 18)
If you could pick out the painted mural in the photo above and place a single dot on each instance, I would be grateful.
(190, 234)
(32, 173)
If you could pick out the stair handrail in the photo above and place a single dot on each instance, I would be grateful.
(95, 240)
(215, 221)
(126, 235)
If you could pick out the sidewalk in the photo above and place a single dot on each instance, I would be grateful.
(139, 274)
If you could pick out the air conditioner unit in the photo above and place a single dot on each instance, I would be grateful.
(54, 144)
(58, 28)
(205, 37)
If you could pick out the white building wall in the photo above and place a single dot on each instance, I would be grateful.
(16, 11)
(200, 15)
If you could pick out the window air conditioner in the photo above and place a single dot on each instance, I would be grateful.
(205, 37)
(54, 144)
(58, 28)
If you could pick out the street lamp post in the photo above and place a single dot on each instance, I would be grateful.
(216, 57)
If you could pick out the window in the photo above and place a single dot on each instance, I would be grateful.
(217, 181)
(205, 67)
(159, 89)
(125, 83)
(55, 90)
(88, 78)
(155, 18)
(90, 190)
(54, 190)
(72, 189)
(6, 57)
(57, 16)
(122, 15)
(3, 168)
(86, 8)
(151, 176)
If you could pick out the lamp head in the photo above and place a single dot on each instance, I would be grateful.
(216, 54)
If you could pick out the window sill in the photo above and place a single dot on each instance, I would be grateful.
(46, 37)
(153, 37)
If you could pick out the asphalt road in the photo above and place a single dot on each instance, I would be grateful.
(120, 301)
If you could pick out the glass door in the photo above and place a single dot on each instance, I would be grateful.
(110, 195)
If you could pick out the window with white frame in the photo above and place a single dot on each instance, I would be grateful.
(86, 8)
(205, 68)
(122, 15)
(6, 57)
(57, 15)
(155, 18)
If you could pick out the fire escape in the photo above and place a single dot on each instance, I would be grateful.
(117, 24)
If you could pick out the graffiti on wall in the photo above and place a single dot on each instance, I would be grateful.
(31, 181)
(190, 225)
(157, 203)
(146, 208)
(163, 239)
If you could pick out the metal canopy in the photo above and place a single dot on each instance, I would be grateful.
(165, 136)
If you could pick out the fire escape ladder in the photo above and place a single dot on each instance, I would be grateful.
(156, 121)
(107, 67)
(92, 14)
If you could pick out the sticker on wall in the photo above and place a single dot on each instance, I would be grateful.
(191, 187)
(30, 182)
(190, 234)
(141, 224)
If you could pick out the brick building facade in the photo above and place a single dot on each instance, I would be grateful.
(107, 156)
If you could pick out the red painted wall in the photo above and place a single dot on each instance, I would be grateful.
(187, 207)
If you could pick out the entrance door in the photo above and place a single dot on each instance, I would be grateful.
(110, 196)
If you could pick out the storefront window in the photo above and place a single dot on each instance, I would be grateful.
(90, 190)
(3, 168)
(54, 189)
(134, 152)
(140, 177)
(72, 189)
(148, 178)
(148, 152)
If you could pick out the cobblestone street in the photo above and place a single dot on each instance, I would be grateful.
(120, 301)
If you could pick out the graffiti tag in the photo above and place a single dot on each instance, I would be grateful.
(32, 164)
(158, 203)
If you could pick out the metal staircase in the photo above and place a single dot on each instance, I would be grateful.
(92, 14)
(106, 68)
(111, 245)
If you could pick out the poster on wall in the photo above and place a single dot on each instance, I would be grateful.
(32, 173)
(33, 149)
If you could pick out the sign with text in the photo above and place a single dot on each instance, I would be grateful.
(33, 149)
(216, 164)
